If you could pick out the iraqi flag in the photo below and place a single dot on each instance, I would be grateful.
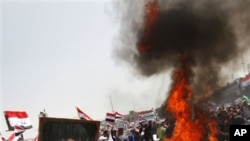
(118, 115)
(19, 118)
(110, 117)
(83, 115)
(245, 81)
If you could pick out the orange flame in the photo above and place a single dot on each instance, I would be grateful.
(152, 12)
(191, 124)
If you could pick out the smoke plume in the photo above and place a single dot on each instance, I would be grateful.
(211, 33)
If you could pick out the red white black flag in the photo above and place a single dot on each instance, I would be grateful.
(83, 115)
(17, 118)
(110, 117)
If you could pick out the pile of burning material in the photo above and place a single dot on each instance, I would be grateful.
(195, 39)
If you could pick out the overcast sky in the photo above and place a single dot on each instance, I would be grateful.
(58, 55)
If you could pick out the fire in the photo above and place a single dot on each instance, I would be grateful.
(152, 12)
(191, 124)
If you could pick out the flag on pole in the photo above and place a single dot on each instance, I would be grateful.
(110, 117)
(19, 118)
(118, 115)
(83, 115)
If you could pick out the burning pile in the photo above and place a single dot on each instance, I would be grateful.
(196, 38)
(191, 124)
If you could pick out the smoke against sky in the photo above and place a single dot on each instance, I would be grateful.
(210, 33)
(60, 52)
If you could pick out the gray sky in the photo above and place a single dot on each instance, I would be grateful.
(58, 55)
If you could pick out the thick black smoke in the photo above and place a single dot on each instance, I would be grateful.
(208, 32)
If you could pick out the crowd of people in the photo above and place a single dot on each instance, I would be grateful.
(230, 114)
(146, 131)
(225, 115)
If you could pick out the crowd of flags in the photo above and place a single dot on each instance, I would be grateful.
(110, 116)
(18, 122)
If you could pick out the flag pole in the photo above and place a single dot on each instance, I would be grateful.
(111, 104)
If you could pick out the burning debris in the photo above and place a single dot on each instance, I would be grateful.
(191, 123)
(196, 38)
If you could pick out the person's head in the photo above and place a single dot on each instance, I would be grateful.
(150, 123)
(120, 131)
(105, 133)
(133, 132)
(115, 132)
